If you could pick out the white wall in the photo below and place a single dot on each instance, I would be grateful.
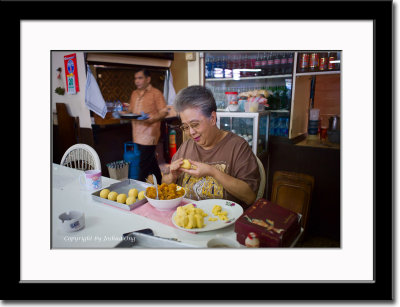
(75, 103)
(195, 71)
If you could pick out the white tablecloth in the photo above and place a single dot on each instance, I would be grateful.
(105, 225)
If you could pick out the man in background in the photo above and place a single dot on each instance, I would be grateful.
(146, 133)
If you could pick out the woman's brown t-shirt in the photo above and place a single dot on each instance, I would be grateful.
(232, 155)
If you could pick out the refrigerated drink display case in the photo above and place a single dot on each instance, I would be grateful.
(253, 127)
(285, 76)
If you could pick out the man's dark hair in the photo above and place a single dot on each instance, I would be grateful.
(146, 73)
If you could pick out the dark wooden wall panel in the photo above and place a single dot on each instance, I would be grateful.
(324, 165)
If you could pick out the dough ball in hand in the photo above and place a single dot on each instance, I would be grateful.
(186, 164)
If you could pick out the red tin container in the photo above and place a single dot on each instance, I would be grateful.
(274, 225)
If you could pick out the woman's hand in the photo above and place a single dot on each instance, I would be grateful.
(175, 169)
(234, 186)
(199, 169)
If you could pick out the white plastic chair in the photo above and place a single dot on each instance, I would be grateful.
(82, 157)
(261, 188)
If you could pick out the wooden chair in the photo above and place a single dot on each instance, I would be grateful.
(261, 189)
(293, 191)
(82, 157)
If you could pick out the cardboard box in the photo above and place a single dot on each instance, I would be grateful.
(274, 225)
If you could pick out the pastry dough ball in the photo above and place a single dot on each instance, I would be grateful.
(112, 196)
(104, 193)
(130, 200)
(186, 164)
(133, 193)
(121, 198)
(141, 195)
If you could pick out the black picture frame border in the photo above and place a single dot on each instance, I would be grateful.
(382, 287)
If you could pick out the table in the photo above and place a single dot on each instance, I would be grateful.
(105, 225)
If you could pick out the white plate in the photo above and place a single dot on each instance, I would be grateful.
(234, 212)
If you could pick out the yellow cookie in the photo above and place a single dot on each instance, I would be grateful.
(130, 200)
(141, 195)
(133, 193)
(112, 196)
(186, 164)
(104, 193)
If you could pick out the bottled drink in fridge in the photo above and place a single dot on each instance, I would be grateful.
(236, 61)
(272, 125)
(247, 64)
(218, 69)
(241, 65)
(286, 127)
(257, 65)
(270, 64)
(277, 64)
(290, 63)
(213, 62)
(229, 63)
(279, 127)
(303, 62)
(314, 61)
(227, 67)
(209, 67)
(253, 64)
(264, 64)
(284, 63)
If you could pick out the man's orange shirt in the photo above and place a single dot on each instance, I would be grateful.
(150, 101)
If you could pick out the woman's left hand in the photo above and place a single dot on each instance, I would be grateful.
(199, 169)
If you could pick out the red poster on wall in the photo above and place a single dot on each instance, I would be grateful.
(71, 73)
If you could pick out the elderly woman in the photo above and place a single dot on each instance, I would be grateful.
(223, 164)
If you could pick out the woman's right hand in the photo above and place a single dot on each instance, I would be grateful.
(174, 169)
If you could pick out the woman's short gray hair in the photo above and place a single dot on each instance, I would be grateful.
(196, 96)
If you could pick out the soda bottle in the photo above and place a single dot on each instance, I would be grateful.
(253, 64)
(270, 64)
(220, 68)
(323, 62)
(264, 64)
(303, 62)
(228, 68)
(272, 125)
(283, 63)
(314, 61)
(237, 61)
(257, 65)
(212, 65)
(279, 128)
(286, 127)
(229, 64)
(289, 67)
(277, 63)
(241, 64)
(247, 64)
(223, 66)
(208, 67)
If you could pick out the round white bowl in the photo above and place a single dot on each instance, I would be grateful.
(165, 205)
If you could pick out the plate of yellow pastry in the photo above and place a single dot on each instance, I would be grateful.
(206, 215)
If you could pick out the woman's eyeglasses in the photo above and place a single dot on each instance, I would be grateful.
(194, 126)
